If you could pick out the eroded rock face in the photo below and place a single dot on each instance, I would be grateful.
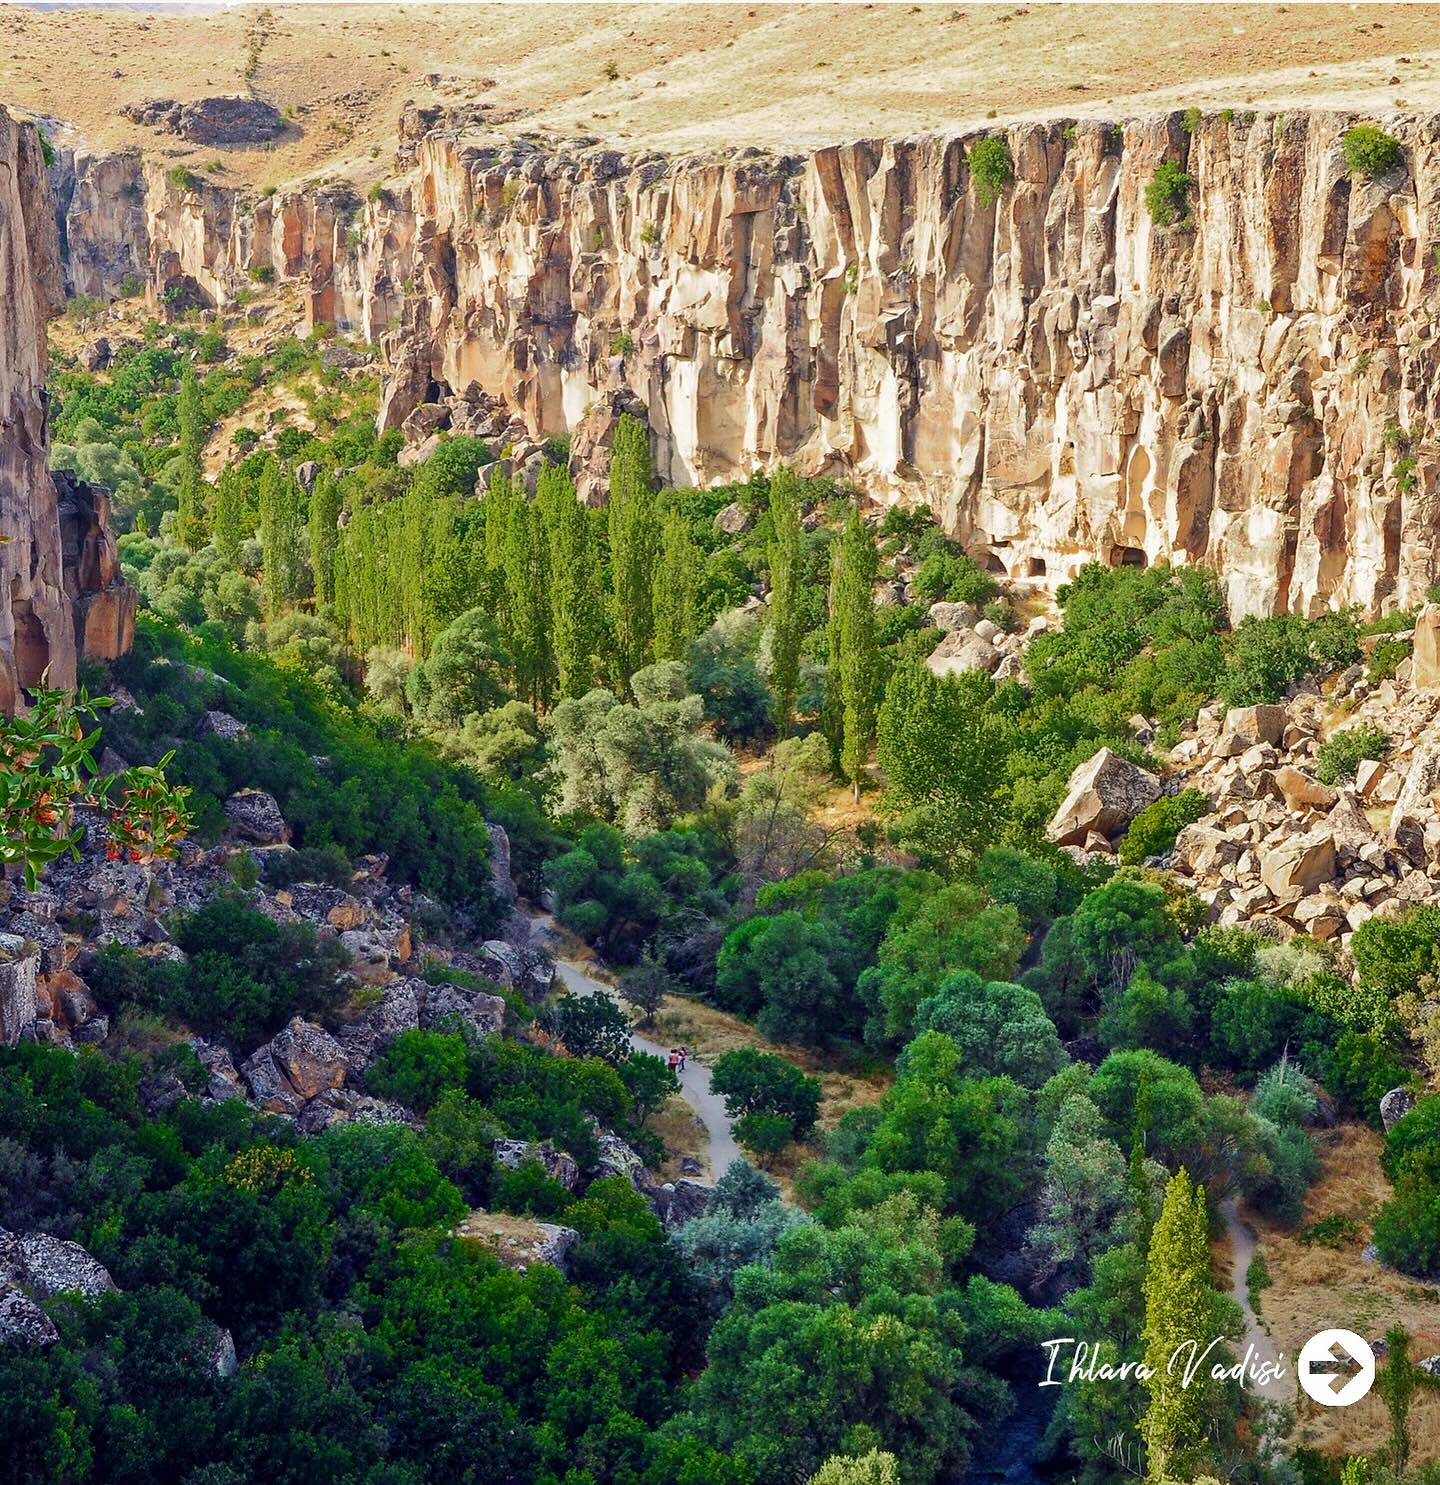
(60, 586)
(1103, 796)
(1059, 379)
(37, 633)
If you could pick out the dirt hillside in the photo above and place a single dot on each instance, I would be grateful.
(695, 77)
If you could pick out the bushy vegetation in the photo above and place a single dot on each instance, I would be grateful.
(1166, 195)
(415, 651)
(1343, 752)
(1370, 151)
(991, 167)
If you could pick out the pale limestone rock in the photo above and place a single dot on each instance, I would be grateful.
(1300, 791)
(1111, 397)
(19, 967)
(1103, 796)
(1425, 649)
(1299, 865)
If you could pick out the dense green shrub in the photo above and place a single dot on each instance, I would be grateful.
(1342, 752)
(1265, 656)
(1370, 151)
(1166, 193)
(991, 168)
(754, 1082)
(1152, 832)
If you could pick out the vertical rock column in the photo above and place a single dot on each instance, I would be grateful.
(36, 625)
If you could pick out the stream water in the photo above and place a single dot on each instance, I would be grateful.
(1007, 1452)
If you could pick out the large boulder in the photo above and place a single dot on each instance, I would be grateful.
(556, 1164)
(687, 1201)
(1415, 805)
(1395, 1105)
(1425, 649)
(1247, 726)
(229, 121)
(302, 1061)
(1299, 865)
(310, 1058)
(397, 1011)
(962, 651)
(23, 1322)
(255, 818)
(44, 1266)
(1103, 796)
(19, 967)
(485, 1014)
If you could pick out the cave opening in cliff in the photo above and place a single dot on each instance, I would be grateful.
(1035, 567)
(32, 648)
(1128, 557)
(994, 562)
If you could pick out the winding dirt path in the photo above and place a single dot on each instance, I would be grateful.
(1242, 1251)
(694, 1081)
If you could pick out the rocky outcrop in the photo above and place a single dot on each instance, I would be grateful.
(1059, 378)
(1103, 796)
(225, 121)
(19, 964)
(61, 592)
(37, 633)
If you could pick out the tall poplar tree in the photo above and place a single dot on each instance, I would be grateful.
(500, 504)
(576, 615)
(1179, 1308)
(786, 630)
(229, 514)
(325, 502)
(677, 584)
(634, 542)
(859, 652)
(527, 634)
(279, 537)
(190, 518)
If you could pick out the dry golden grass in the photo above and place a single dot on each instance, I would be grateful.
(696, 76)
(1316, 1287)
(683, 1134)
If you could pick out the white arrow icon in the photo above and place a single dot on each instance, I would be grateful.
(1320, 1354)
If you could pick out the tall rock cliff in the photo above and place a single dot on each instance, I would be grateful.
(1059, 378)
(58, 571)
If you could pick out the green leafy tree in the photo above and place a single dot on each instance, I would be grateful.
(754, 1082)
(854, 672)
(677, 584)
(279, 538)
(948, 931)
(229, 514)
(787, 624)
(325, 505)
(527, 605)
(576, 610)
(943, 750)
(1086, 1196)
(1001, 1029)
(1179, 1309)
(875, 1468)
(634, 546)
(190, 491)
(464, 673)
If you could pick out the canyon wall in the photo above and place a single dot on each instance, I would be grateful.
(1057, 377)
(59, 573)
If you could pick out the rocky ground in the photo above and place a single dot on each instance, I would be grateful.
(683, 77)
(1278, 849)
(311, 1074)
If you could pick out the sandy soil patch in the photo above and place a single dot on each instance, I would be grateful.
(695, 77)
